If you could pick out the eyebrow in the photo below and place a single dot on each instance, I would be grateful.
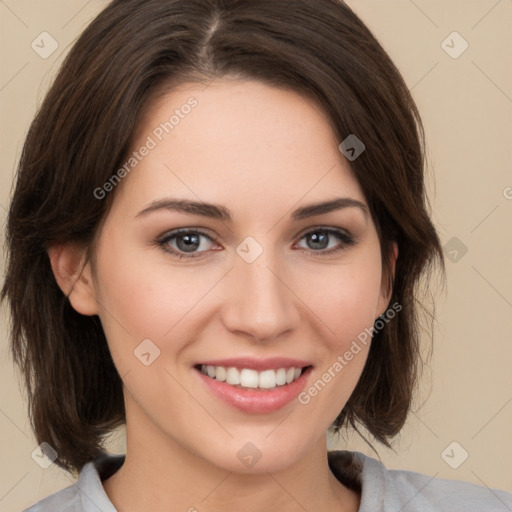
(219, 212)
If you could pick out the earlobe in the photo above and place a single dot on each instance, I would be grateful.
(74, 279)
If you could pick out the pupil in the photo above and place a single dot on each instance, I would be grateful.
(191, 242)
(319, 239)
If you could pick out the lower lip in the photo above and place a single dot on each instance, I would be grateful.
(253, 400)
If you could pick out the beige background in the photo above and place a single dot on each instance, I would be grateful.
(466, 103)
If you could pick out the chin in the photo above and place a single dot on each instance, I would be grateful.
(259, 453)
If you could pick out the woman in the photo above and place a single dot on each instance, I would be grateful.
(218, 242)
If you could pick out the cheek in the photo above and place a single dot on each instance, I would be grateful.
(141, 299)
(138, 300)
(346, 297)
(346, 306)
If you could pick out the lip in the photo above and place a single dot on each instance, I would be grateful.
(253, 401)
(272, 363)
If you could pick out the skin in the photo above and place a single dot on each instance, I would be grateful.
(261, 152)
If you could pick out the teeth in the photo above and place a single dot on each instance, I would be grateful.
(232, 376)
(267, 379)
(220, 373)
(281, 377)
(248, 378)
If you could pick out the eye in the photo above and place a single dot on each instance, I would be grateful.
(192, 243)
(184, 243)
(319, 240)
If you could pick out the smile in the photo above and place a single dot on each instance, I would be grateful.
(250, 378)
(254, 386)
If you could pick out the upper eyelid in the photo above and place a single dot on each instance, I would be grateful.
(330, 229)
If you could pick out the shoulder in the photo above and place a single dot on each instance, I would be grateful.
(87, 493)
(67, 499)
(390, 490)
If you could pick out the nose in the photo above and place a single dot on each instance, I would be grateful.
(259, 302)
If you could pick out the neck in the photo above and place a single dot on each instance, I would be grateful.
(161, 475)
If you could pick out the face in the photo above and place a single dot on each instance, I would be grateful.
(231, 321)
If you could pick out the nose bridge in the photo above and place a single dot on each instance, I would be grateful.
(260, 303)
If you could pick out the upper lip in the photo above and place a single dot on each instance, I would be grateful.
(272, 363)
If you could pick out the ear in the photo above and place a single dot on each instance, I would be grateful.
(387, 281)
(74, 279)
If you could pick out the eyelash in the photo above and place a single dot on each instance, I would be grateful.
(347, 240)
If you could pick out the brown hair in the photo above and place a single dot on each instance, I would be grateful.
(82, 133)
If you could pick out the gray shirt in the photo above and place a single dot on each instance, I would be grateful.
(382, 490)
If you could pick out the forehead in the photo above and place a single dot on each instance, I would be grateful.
(242, 143)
